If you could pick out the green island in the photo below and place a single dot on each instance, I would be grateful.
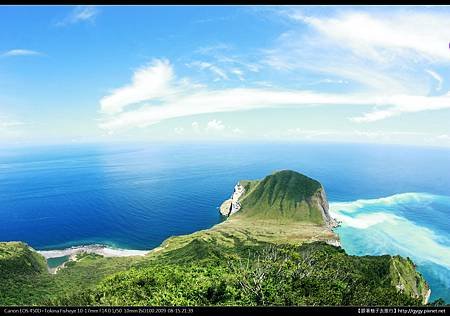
(278, 248)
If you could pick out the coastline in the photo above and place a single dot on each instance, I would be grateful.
(427, 297)
(97, 249)
(72, 253)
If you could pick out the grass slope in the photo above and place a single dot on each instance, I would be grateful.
(285, 195)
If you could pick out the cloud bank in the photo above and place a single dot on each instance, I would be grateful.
(155, 94)
(383, 61)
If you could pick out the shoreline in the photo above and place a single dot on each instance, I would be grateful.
(72, 253)
(427, 297)
(102, 250)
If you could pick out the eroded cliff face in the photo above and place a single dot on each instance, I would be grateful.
(320, 199)
(233, 205)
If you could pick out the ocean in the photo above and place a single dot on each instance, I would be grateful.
(391, 199)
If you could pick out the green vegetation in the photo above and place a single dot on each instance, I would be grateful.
(403, 277)
(17, 258)
(284, 195)
(210, 273)
(20, 268)
(25, 280)
(274, 256)
(312, 274)
(248, 185)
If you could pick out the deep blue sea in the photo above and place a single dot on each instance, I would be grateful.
(391, 199)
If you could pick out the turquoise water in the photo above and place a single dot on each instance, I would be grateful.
(410, 224)
(391, 199)
(57, 261)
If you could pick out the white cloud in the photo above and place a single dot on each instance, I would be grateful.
(8, 124)
(203, 101)
(263, 84)
(240, 99)
(178, 130)
(10, 130)
(213, 49)
(239, 73)
(374, 116)
(235, 61)
(237, 131)
(444, 136)
(149, 82)
(196, 127)
(279, 62)
(20, 52)
(161, 98)
(297, 53)
(381, 37)
(400, 104)
(82, 13)
(219, 72)
(332, 81)
(381, 52)
(215, 125)
(252, 67)
(232, 63)
(310, 133)
(437, 77)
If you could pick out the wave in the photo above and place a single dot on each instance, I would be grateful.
(98, 249)
(401, 198)
(386, 230)
(365, 221)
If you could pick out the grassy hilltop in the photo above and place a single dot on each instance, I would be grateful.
(274, 251)
(285, 195)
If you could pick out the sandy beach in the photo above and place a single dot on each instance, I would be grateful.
(97, 249)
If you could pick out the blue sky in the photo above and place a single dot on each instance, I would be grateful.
(315, 73)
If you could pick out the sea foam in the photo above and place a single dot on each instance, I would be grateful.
(395, 225)
(401, 198)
